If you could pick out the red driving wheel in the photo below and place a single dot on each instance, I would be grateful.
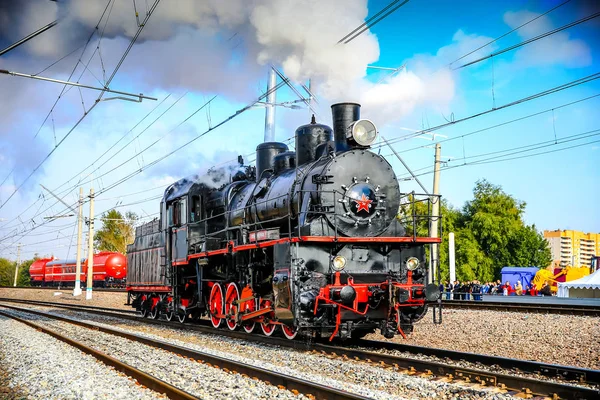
(231, 306)
(216, 304)
(267, 328)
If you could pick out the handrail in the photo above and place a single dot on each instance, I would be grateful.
(408, 213)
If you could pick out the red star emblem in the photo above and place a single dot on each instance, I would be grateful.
(363, 204)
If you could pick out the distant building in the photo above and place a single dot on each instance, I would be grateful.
(573, 248)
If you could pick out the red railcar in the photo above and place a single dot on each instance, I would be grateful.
(37, 271)
(110, 270)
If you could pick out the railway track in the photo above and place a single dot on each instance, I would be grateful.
(283, 381)
(114, 290)
(449, 371)
(567, 309)
(143, 378)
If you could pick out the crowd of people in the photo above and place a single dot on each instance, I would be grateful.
(473, 290)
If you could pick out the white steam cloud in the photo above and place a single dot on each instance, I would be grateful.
(209, 46)
(224, 46)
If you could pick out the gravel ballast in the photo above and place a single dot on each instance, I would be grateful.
(99, 299)
(545, 338)
(38, 366)
(550, 338)
(356, 377)
(198, 379)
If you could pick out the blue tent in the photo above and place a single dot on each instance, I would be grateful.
(514, 274)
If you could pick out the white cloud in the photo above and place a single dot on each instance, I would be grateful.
(425, 82)
(556, 49)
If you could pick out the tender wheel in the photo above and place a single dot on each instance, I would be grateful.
(249, 306)
(216, 304)
(169, 313)
(289, 332)
(153, 313)
(231, 307)
(182, 317)
(143, 311)
(267, 328)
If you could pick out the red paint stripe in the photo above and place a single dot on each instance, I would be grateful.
(149, 288)
(378, 239)
(319, 239)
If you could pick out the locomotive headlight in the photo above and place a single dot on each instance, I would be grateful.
(364, 132)
(412, 263)
(338, 263)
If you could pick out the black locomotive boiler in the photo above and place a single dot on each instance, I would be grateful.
(308, 241)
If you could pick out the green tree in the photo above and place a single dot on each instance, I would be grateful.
(489, 234)
(117, 231)
(7, 272)
(529, 247)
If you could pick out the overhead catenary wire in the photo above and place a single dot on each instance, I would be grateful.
(371, 22)
(210, 129)
(249, 106)
(509, 32)
(531, 40)
(22, 234)
(499, 157)
(555, 89)
(481, 130)
(75, 176)
(131, 43)
(153, 143)
(368, 20)
(92, 33)
(260, 98)
(114, 154)
(89, 39)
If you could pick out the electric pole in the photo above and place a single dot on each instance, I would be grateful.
(451, 257)
(18, 263)
(77, 290)
(435, 217)
(270, 106)
(90, 259)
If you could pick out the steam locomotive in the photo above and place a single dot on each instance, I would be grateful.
(308, 241)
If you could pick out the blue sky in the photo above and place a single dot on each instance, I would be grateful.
(182, 57)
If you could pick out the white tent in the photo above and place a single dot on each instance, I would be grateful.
(586, 287)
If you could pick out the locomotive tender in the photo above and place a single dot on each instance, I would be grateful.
(308, 241)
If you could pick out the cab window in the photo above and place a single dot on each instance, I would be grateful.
(196, 209)
(177, 213)
(182, 211)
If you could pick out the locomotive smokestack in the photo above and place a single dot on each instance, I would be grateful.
(343, 114)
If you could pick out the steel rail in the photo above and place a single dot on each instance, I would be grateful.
(143, 378)
(283, 381)
(108, 290)
(565, 309)
(523, 385)
(80, 307)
